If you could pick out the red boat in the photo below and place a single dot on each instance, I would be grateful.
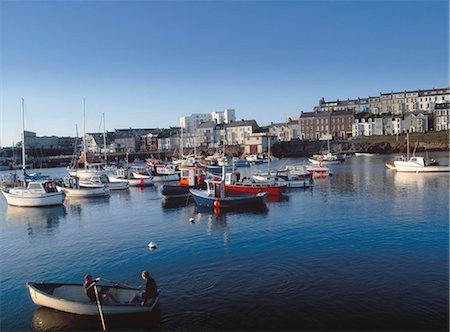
(254, 188)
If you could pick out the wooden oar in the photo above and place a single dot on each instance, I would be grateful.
(116, 283)
(100, 310)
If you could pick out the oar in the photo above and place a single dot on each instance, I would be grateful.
(100, 310)
(116, 283)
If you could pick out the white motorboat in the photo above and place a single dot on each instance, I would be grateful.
(326, 159)
(419, 165)
(71, 188)
(124, 174)
(319, 170)
(71, 298)
(103, 180)
(34, 194)
(34, 190)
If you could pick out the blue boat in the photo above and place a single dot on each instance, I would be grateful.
(214, 197)
(242, 163)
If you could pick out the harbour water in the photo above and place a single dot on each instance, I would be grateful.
(365, 249)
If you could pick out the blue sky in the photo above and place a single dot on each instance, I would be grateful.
(146, 63)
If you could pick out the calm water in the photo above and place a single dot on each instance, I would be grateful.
(366, 249)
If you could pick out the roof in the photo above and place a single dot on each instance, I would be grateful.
(307, 115)
(207, 124)
(243, 123)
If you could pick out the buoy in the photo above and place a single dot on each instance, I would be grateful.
(191, 220)
(141, 181)
(216, 203)
(151, 245)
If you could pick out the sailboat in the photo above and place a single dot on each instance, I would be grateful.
(326, 158)
(71, 185)
(33, 192)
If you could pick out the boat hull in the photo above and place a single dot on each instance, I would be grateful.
(175, 191)
(24, 200)
(71, 298)
(84, 192)
(255, 189)
(423, 169)
(166, 178)
(202, 198)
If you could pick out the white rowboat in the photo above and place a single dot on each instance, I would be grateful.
(71, 298)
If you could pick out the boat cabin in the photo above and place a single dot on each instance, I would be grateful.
(40, 187)
(191, 176)
(215, 187)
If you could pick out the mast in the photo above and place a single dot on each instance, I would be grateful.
(181, 144)
(23, 134)
(407, 145)
(268, 156)
(104, 139)
(84, 133)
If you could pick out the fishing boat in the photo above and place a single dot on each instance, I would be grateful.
(32, 191)
(215, 197)
(71, 298)
(190, 177)
(254, 187)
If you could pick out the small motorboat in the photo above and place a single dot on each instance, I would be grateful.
(72, 299)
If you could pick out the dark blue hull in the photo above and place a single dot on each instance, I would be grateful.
(230, 201)
(174, 191)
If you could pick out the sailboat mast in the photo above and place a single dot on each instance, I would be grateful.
(268, 156)
(104, 139)
(181, 144)
(23, 134)
(84, 133)
(407, 145)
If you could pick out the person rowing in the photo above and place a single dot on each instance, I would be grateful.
(88, 288)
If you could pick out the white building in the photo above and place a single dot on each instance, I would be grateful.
(362, 127)
(227, 116)
(191, 123)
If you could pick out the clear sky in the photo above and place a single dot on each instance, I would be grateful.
(146, 63)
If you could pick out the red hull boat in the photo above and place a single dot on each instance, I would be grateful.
(254, 188)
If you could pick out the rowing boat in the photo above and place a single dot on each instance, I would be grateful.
(71, 298)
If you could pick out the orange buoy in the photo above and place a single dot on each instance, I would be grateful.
(217, 203)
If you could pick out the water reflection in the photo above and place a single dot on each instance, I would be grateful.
(173, 203)
(44, 218)
(45, 319)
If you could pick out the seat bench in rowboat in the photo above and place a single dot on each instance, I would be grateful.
(71, 298)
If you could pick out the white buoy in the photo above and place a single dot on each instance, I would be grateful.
(151, 245)
(191, 220)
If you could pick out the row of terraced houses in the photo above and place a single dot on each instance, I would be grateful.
(387, 114)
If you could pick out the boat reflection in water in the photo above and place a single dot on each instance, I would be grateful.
(43, 218)
(46, 319)
(276, 199)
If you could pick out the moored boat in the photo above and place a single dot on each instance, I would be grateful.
(214, 196)
(71, 188)
(71, 298)
(255, 187)
(419, 165)
(190, 177)
(34, 194)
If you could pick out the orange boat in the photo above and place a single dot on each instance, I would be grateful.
(254, 188)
